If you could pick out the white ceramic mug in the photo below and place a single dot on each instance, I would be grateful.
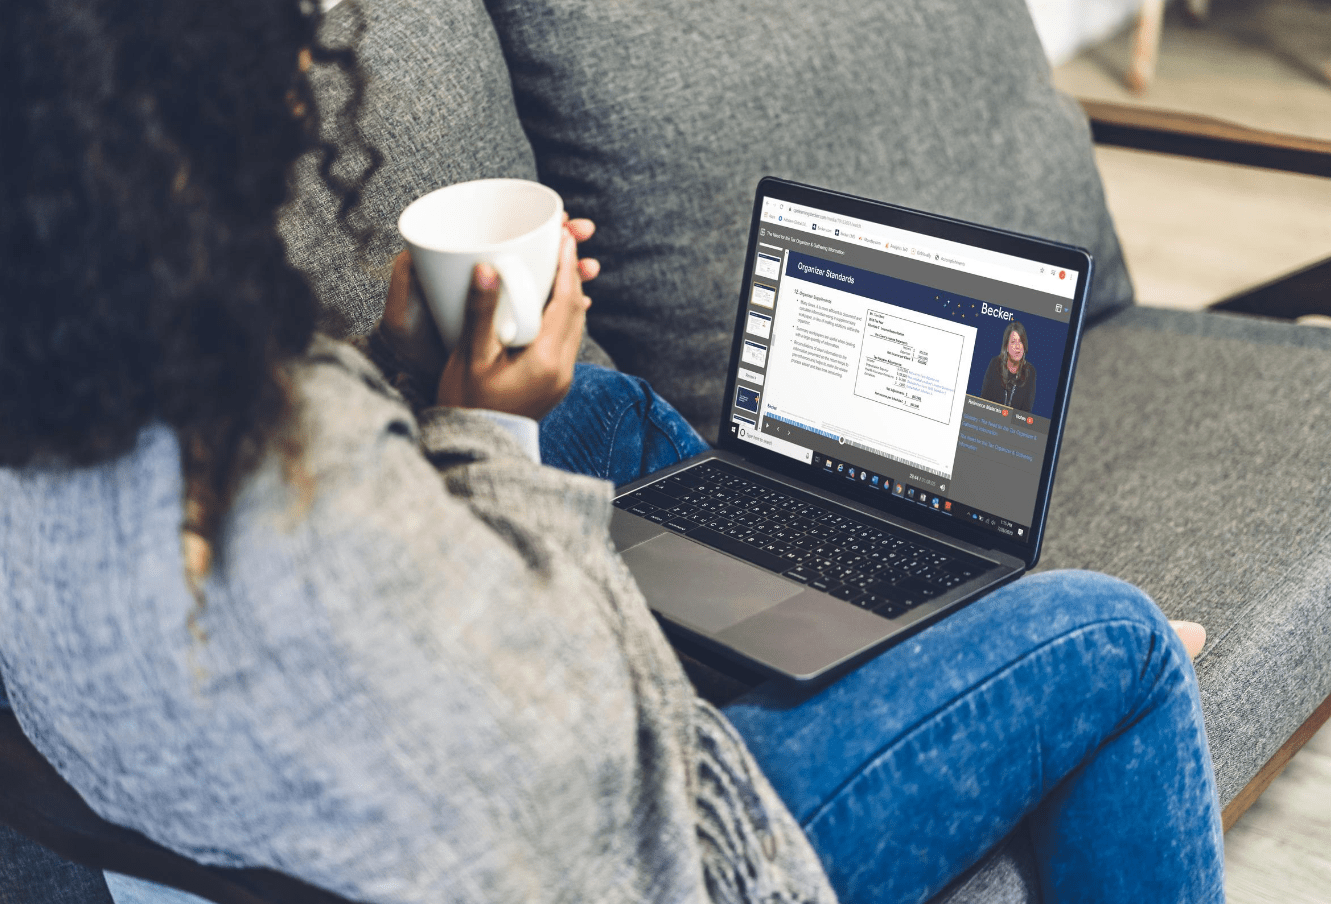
(513, 225)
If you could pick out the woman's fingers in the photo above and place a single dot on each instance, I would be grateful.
(581, 229)
(567, 310)
(407, 325)
(399, 284)
(478, 327)
(549, 361)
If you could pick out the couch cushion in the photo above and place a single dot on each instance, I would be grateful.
(440, 110)
(1195, 465)
(658, 117)
(1005, 875)
(34, 875)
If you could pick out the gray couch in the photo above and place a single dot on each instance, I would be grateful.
(1195, 461)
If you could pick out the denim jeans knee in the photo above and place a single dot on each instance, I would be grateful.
(614, 426)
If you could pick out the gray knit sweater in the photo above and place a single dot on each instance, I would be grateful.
(435, 682)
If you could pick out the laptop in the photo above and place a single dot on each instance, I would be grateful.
(898, 384)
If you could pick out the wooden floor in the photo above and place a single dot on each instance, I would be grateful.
(1196, 232)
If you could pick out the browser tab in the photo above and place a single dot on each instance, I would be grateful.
(938, 252)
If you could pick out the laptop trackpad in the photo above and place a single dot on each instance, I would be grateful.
(700, 588)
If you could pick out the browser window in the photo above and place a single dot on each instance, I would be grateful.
(907, 364)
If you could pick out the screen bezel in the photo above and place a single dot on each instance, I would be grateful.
(1054, 254)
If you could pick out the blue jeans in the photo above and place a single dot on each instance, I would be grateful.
(1064, 699)
(614, 426)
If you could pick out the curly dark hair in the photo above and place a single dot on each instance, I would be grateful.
(143, 278)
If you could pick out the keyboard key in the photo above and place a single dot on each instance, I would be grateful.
(738, 549)
(673, 490)
(908, 600)
(917, 587)
(802, 574)
(655, 497)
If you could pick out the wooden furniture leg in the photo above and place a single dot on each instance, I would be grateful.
(1146, 46)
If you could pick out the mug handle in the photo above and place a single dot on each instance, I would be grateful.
(516, 324)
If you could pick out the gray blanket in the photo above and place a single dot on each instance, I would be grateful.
(433, 681)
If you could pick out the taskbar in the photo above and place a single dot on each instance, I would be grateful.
(867, 483)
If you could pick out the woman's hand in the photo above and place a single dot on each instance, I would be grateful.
(481, 373)
(408, 327)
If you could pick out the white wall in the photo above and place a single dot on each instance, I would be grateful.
(1066, 26)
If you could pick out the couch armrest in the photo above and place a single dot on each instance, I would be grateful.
(1206, 138)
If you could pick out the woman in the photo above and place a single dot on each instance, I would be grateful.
(1010, 378)
(273, 602)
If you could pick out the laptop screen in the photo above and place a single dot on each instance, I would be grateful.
(902, 364)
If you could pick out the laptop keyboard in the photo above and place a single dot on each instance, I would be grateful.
(871, 564)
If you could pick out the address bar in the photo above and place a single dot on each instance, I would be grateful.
(940, 252)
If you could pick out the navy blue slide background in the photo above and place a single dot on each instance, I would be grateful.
(747, 399)
(1046, 336)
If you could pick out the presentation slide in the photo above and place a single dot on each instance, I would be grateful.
(759, 324)
(882, 377)
(747, 399)
(754, 353)
(768, 266)
(763, 296)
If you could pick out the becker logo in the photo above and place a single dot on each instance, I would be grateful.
(995, 312)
